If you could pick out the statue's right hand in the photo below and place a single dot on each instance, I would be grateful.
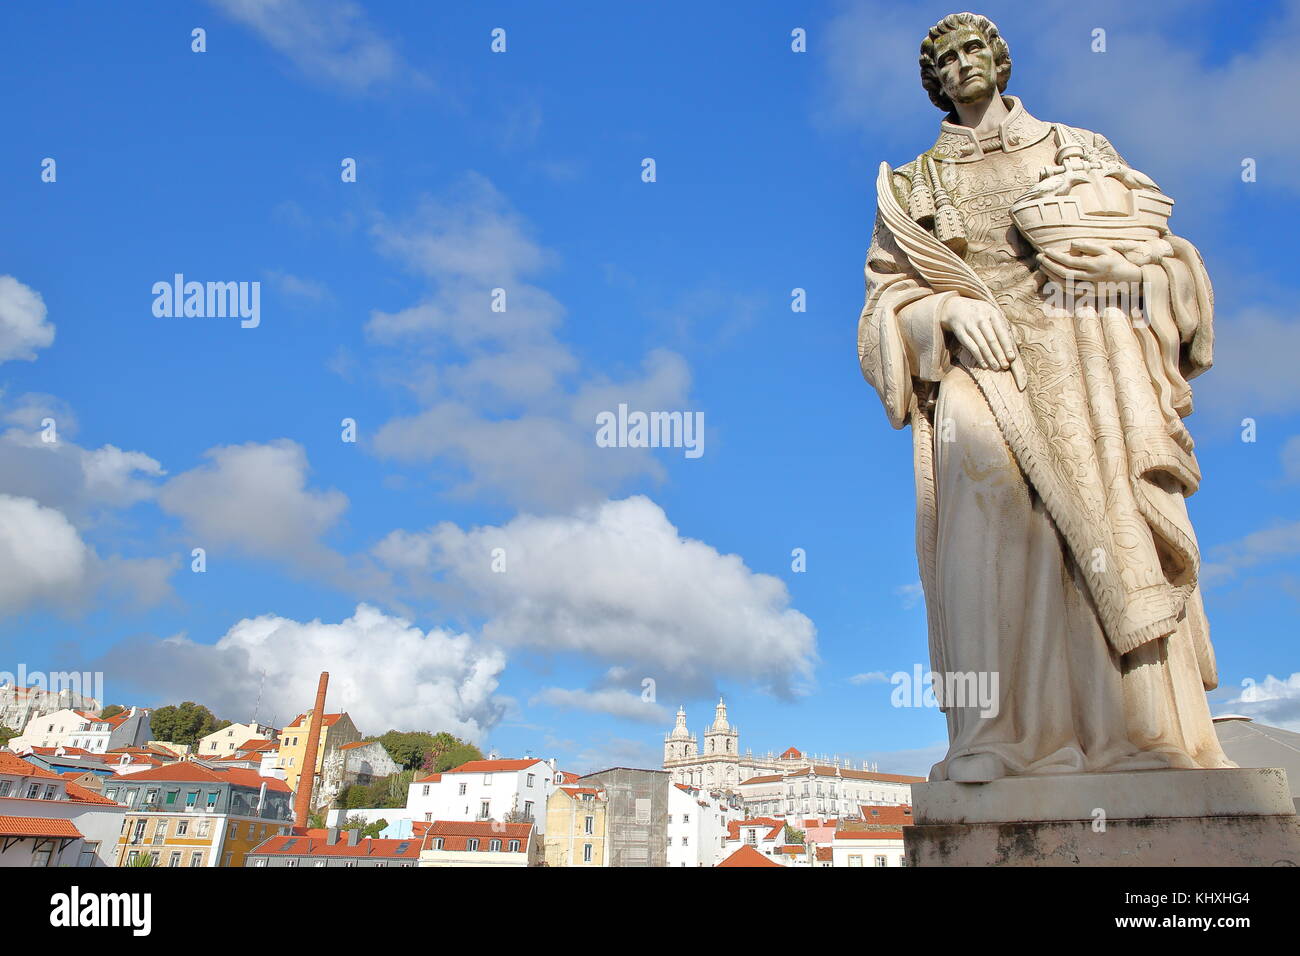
(983, 329)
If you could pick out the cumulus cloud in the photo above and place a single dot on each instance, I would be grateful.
(42, 558)
(1273, 700)
(385, 672)
(331, 41)
(505, 406)
(617, 582)
(45, 562)
(23, 326)
(78, 481)
(255, 497)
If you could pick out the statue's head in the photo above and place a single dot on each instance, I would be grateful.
(964, 60)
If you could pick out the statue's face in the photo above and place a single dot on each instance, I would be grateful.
(965, 66)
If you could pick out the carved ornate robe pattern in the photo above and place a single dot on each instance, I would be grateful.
(1052, 533)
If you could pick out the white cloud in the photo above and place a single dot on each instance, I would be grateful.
(78, 481)
(385, 672)
(1274, 701)
(505, 405)
(328, 40)
(607, 700)
(42, 558)
(23, 325)
(870, 677)
(255, 497)
(45, 562)
(618, 583)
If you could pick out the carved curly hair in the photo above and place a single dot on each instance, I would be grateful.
(953, 21)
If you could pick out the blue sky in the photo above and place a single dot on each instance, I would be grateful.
(522, 170)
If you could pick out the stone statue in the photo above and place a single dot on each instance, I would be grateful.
(1031, 316)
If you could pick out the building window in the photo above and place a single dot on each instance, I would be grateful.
(513, 846)
(528, 809)
(487, 779)
(191, 799)
(589, 825)
(425, 791)
(686, 841)
(532, 779)
(485, 809)
(495, 846)
(472, 844)
(174, 859)
(89, 851)
(461, 791)
(182, 827)
(855, 859)
(586, 853)
(437, 843)
(881, 861)
(670, 841)
(686, 818)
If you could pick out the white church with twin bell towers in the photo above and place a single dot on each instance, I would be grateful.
(721, 765)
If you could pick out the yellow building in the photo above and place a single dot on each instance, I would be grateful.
(575, 827)
(188, 815)
(336, 730)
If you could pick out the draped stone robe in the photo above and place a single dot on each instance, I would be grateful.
(1052, 533)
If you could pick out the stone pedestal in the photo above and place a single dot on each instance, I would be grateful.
(1235, 817)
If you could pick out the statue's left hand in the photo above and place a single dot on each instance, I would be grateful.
(1089, 260)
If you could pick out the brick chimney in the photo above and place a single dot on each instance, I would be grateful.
(307, 777)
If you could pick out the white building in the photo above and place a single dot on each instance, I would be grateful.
(721, 764)
(227, 740)
(78, 728)
(824, 791)
(501, 790)
(697, 825)
(764, 834)
(47, 820)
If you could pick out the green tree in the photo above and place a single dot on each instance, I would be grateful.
(432, 753)
(143, 860)
(7, 734)
(184, 724)
(792, 835)
(357, 822)
(112, 710)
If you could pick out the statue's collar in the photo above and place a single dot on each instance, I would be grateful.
(958, 143)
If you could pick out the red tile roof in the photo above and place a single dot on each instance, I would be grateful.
(359, 743)
(893, 816)
(192, 771)
(37, 827)
(82, 795)
(13, 764)
(824, 854)
(791, 754)
(329, 720)
(748, 856)
(733, 828)
(316, 843)
(431, 778)
(496, 766)
(67, 752)
(455, 834)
